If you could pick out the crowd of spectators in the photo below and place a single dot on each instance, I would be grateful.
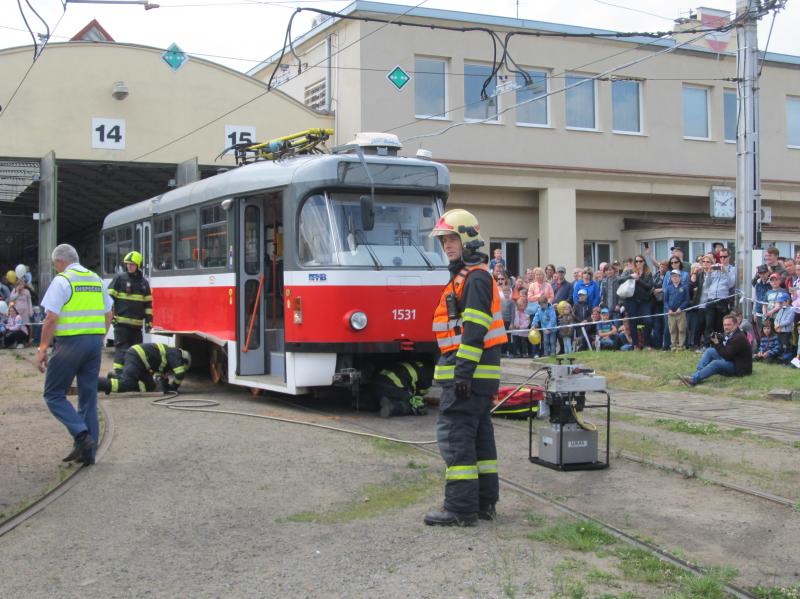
(642, 304)
(19, 314)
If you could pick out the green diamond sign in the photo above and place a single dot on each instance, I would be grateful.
(174, 57)
(398, 77)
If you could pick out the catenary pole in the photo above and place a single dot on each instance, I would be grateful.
(748, 172)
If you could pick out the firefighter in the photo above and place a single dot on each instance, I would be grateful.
(401, 387)
(144, 360)
(469, 330)
(133, 307)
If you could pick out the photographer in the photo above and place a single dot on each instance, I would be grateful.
(730, 355)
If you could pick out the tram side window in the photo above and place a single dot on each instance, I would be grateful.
(110, 252)
(315, 236)
(186, 246)
(162, 237)
(213, 236)
(124, 242)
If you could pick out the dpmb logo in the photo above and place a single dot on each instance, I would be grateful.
(317, 276)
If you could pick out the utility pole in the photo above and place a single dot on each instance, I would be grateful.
(748, 171)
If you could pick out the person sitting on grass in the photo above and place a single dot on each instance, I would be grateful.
(16, 331)
(769, 348)
(624, 336)
(605, 331)
(730, 355)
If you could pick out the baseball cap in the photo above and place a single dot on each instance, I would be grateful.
(582, 292)
(561, 269)
(783, 297)
(604, 311)
(775, 276)
(762, 268)
(676, 272)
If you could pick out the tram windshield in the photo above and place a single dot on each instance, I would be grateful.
(332, 234)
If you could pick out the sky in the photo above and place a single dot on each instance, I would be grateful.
(241, 33)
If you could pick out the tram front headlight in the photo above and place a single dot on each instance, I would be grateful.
(358, 320)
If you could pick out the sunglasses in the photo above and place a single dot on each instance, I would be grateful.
(639, 261)
(674, 261)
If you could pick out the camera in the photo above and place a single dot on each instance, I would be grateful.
(716, 267)
(716, 337)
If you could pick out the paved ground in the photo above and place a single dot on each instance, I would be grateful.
(189, 504)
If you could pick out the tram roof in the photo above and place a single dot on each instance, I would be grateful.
(260, 176)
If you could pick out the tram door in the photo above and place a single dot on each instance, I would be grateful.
(251, 279)
(142, 244)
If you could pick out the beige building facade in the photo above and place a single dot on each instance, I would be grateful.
(115, 121)
(605, 145)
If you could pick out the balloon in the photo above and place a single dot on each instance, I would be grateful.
(535, 337)
(3, 308)
(11, 277)
(20, 271)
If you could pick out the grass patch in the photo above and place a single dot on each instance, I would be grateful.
(640, 566)
(690, 428)
(535, 519)
(662, 369)
(580, 535)
(764, 592)
(374, 500)
(391, 447)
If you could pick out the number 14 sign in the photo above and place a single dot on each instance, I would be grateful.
(108, 134)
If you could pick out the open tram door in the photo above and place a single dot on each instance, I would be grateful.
(141, 243)
(260, 327)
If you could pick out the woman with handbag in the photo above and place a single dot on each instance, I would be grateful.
(638, 301)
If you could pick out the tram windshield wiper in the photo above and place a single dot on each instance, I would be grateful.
(359, 233)
(421, 252)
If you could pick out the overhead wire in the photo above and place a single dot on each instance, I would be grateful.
(33, 36)
(38, 16)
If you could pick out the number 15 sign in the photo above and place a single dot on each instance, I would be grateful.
(108, 134)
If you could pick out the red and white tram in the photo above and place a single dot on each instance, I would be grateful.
(297, 274)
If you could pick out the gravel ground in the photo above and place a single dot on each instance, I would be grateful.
(198, 505)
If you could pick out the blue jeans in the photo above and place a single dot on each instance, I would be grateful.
(710, 364)
(567, 341)
(549, 343)
(77, 356)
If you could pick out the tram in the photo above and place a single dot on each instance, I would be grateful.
(298, 274)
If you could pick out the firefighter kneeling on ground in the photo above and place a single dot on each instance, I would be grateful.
(468, 324)
(401, 387)
(141, 362)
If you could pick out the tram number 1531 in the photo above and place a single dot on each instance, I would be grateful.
(404, 314)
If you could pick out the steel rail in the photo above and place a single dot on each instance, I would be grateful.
(65, 485)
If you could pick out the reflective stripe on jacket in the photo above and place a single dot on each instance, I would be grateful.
(470, 344)
(85, 312)
(133, 300)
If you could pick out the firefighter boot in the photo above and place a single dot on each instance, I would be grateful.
(487, 512)
(444, 517)
(104, 385)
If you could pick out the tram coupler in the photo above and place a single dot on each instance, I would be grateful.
(568, 442)
(351, 379)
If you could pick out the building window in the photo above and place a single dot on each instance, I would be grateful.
(695, 112)
(430, 88)
(580, 98)
(793, 122)
(512, 254)
(731, 114)
(186, 246)
(314, 95)
(626, 106)
(595, 252)
(534, 94)
(475, 108)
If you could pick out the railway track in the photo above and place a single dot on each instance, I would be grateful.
(65, 485)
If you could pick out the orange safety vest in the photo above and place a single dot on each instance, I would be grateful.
(448, 332)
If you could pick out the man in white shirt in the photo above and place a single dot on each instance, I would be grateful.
(78, 316)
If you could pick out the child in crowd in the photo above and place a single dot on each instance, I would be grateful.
(583, 313)
(624, 338)
(784, 325)
(769, 348)
(3, 318)
(605, 332)
(676, 300)
(546, 320)
(566, 318)
(521, 324)
(747, 328)
(16, 331)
